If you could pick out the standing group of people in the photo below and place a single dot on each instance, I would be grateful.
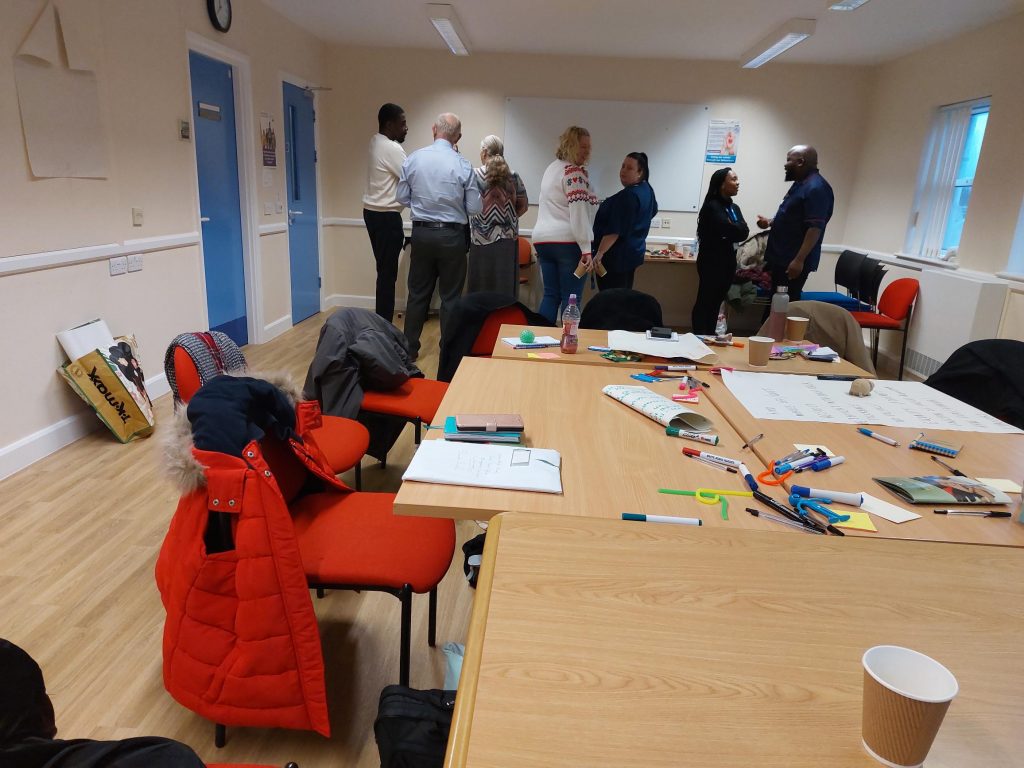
(794, 242)
(457, 209)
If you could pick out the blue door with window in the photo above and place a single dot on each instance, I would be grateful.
(300, 169)
(213, 115)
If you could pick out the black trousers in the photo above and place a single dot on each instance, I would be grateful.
(616, 280)
(386, 239)
(438, 259)
(796, 285)
(715, 279)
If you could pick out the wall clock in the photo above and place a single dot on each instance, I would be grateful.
(220, 14)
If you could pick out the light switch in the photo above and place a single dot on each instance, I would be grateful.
(666, 223)
(136, 217)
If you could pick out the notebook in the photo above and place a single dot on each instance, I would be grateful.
(933, 489)
(452, 432)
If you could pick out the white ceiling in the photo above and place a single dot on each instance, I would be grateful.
(673, 29)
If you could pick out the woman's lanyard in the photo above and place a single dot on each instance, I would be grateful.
(732, 213)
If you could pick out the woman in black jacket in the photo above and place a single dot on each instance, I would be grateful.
(720, 227)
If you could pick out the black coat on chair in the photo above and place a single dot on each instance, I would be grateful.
(621, 309)
(987, 374)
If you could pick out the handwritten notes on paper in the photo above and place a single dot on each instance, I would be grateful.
(486, 466)
(892, 403)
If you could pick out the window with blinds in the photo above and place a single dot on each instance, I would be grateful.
(944, 184)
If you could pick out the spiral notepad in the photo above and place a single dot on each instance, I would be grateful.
(935, 446)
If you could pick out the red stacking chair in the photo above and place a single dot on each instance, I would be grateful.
(193, 358)
(895, 309)
(416, 401)
(488, 336)
(525, 260)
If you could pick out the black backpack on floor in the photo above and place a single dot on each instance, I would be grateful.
(412, 727)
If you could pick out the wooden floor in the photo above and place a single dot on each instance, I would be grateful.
(79, 535)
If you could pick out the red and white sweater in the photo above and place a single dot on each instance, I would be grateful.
(565, 212)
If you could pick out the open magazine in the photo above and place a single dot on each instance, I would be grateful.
(932, 489)
(654, 406)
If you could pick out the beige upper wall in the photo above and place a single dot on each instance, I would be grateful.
(906, 93)
(143, 84)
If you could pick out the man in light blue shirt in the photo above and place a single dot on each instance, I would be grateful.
(440, 189)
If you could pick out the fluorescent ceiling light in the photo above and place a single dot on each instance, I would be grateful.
(447, 25)
(778, 42)
(847, 5)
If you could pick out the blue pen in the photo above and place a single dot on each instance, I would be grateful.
(806, 461)
(826, 463)
(882, 438)
(747, 476)
(535, 346)
(599, 349)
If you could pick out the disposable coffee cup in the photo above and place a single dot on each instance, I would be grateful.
(759, 348)
(796, 328)
(906, 695)
(581, 269)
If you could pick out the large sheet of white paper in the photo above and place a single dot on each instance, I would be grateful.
(85, 338)
(486, 466)
(891, 404)
(658, 407)
(58, 93)
(686, 345)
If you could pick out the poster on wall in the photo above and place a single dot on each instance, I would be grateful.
(723, 141)
(268, 141)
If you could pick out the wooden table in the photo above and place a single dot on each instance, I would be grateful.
(732, 357)
(987, 455)
(613, 458)
(601, 643)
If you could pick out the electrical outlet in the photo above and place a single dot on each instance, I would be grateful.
(137, 217)
(118, 265)
(184, 130)
(666, 223)
(135, 262)
(655, 223)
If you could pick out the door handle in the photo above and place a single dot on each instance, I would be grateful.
(294, 213)
(204, 219)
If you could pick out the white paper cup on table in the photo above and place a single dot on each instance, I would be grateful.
(906, 695)
(796, 328)
(759, 348)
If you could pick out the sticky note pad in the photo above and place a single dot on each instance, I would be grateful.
(859, 521)
(822, 448)
(549, 355)
(884, 509)
(533, 355)
(1006, 486)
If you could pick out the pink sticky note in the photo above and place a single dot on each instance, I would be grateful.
(549, 355)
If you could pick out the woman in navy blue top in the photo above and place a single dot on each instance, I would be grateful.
(622, 224)
(720, 227)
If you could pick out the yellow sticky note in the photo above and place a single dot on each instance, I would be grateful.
(1006, 486)
(533, 355)
(859, 521)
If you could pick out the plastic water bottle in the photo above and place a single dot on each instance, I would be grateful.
(570, 327)
(777, 319)
(722, 326)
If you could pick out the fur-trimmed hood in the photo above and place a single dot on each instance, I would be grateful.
(249, 393)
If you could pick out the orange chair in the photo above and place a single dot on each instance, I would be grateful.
(525, 260)
(343, 441)
(485, 340)
(416, 401)
(895, 309)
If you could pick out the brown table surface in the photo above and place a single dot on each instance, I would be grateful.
(987, 455)
(614, 459)
(732, 357)
(603, 643)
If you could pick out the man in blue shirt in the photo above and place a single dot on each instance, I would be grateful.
(798, 228)
(440, 189)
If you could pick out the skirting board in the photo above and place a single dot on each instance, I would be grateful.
(276, 328)
(21, 453)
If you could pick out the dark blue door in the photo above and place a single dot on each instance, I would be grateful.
(300, 169)
(213, 113)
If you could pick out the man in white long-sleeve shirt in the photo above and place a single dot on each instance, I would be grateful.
(440, 188)
(382, 213)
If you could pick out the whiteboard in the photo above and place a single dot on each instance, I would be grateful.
(672, 135)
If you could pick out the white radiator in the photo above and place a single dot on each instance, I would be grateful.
(953, 308)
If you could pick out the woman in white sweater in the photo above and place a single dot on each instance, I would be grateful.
(565, 214)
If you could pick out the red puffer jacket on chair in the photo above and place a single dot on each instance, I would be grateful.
(241, 644)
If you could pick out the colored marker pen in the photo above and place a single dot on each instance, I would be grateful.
(661, 519)
(883, 438)
(712, 457)
(853, 499)
(675, 367)
(747, 476)
(699, 437)
(821, 464)
(806, 461)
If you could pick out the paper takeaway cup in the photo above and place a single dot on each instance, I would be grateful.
(758, 350)
(906, 695)
(581, 269)
(796, 328)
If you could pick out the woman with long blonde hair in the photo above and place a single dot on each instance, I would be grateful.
(494, 232)
(564, 229)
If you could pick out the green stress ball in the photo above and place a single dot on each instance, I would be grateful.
(526, 336)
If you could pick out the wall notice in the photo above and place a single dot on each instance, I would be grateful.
(268, 141)
(723, 140)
